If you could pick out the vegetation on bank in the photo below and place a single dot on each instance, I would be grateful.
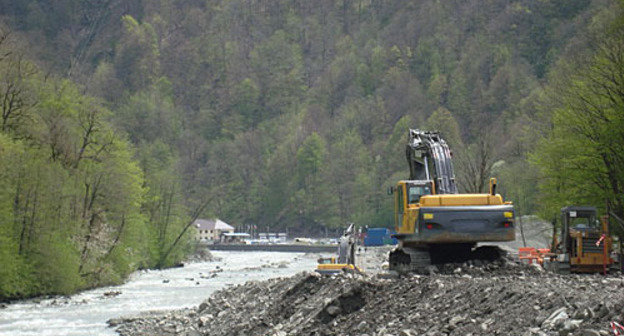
(580, 154)
(124, 120)
(77, 208)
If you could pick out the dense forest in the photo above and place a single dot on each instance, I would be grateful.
(124, 120)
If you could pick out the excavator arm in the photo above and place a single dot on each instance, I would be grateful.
(429, 158)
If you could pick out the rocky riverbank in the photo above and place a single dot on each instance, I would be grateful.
(499, 298)
(201, 255)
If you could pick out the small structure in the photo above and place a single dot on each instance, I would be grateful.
(211, 229)
(234, 237)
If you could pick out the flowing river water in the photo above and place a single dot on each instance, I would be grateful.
(86, 313)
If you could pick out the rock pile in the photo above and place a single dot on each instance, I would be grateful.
(201, 255)
(499, 298)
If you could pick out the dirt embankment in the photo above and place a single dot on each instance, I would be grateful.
(499, 298)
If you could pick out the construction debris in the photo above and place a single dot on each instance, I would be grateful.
(503, 297)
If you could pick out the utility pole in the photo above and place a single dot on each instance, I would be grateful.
(522, 231)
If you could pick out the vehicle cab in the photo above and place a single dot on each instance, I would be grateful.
(407, 195)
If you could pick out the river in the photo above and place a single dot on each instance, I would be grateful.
(86, 313)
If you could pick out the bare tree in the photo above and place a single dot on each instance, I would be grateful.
(16, 97)
(475, 162)
(196, 213)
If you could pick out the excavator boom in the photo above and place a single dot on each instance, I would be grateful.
(429, 158)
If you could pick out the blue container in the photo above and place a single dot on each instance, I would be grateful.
(378, 237)
(377, 232)
(373, 241)
(390, 241)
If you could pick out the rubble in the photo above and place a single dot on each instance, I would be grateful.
(474, 298)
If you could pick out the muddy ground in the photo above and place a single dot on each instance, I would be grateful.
(474, 298)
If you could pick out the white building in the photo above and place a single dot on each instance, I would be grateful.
(211, 229)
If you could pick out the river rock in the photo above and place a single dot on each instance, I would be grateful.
(117, 321)
(111, 293)
(485, 298)
(557, 318)
(333, 310)
(407, 332)
(589, 332)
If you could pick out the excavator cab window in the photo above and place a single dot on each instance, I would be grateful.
(400, 199)
(582, 220)
(583, 223)
(399, 207)
(416, 191)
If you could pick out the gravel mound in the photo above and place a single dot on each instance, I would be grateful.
(474, 298)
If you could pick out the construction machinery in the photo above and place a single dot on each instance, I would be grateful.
(585, 243)
(434, 223)
(346, 256)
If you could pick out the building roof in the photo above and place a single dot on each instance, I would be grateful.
(212, 224)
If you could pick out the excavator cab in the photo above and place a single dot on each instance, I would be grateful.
(417, 190)
(575, 220)
(407, 196)
(581, 220)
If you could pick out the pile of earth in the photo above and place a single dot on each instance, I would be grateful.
(474, 298)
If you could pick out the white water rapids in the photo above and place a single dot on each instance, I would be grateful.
(86, 313)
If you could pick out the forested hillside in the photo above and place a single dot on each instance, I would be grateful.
(125, 119)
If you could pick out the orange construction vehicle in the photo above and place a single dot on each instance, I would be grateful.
(585, 244)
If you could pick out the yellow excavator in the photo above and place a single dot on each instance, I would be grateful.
(434, 223)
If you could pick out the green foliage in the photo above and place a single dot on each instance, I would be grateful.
(56, 263)
(581, 158)
(442, 120)
(245, 102)
(310, 159)
(15, 274)
(278, 67)
(314, 200)
(72, 197)
(287, 115)
(136, 60)
(150, 115)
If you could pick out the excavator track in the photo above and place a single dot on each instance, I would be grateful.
(419, 260)
(408, 259)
